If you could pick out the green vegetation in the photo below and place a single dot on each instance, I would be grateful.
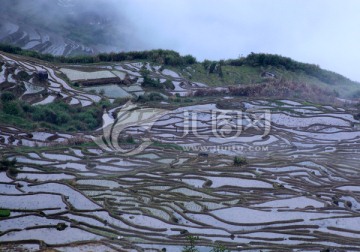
(274, 89)
(153, 96)
(265, 60)
(191, 246)
(23, 76)
(9, 166)
(165, 57)
(151, 83)
(155, 83)
(220, 248)
(249, 70)
(57, 115)
(6, 164)
(4, 213)
(168, 146)
(127, 139)
(214, 67)
(208, 183)
(240, 161)
(244, 70)
(181, 101)
(61, 226)
(7, 96)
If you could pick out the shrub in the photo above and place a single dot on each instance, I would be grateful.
(60, 113)
(219, 248)
(189, 59)
(212, 67)
(206, 64)
(23, 76)
(88, 118)
(27, 108)
(6, 164)
(240, 161)
(143, 98)
(104, 103)
(156, 97)
(77, 140)
(45, 114)
(12, 108)
(62, 118)
(57, 114)
(129, 139)
(61, 226)
(151, 83)
(207, 183)
(121, 101)
(191, 246)
(4, 213)
(7, 96)
(168, 84)
(13, 171)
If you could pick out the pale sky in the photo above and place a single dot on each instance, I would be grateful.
(323, 32)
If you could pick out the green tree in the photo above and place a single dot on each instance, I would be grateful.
(220, 248)
(7, 96)
(191, 246)
(240, 161)
(189, 59)
(12, 108)
(6, 164)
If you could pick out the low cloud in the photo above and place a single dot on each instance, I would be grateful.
(323, 32)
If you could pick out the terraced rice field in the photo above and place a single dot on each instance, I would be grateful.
(117, 81)
(37, 94)
(75, 75)
(299, 191)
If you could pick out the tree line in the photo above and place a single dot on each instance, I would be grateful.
(165, 57)
(264, 60)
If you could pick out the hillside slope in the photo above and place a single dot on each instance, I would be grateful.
(264, 75)
(262, 68)
(63, 27)
(246, 168)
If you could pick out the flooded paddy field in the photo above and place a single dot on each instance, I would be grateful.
(298, 191)
(120, 80)
(295, 188)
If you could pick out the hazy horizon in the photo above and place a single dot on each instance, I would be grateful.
(318, 32)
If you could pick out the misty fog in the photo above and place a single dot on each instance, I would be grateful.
(310, 31)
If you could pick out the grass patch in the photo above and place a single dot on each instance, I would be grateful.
(40, 149)
(240, 161)
(5, 213)
(167, 145)
(55, 116)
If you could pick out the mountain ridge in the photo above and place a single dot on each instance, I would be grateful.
(256, 68)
